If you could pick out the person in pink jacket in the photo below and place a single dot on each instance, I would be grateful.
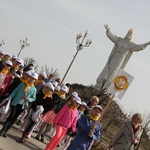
(66, 118)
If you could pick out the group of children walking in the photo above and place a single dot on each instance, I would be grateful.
(44, 104)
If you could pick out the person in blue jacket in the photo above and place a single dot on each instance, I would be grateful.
(89, 130)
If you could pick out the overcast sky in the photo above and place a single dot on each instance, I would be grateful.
(52, 25)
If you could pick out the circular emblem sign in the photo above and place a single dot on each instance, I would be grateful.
(120, 83)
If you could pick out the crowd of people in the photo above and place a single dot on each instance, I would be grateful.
(40, 103)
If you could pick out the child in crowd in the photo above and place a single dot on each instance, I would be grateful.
(32, 120)
(21, 96)
(69, 135)
(91, 104)
(69, 99)
(5, 79)
(67, 117)
(14, 84)
(16, 81)
(89, 129)
(59, 101)
(81, 109)
(15, 67)
(43, 98)
(3, 59)
(39, 84)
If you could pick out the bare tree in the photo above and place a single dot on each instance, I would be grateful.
(50, 72)
(30, 61)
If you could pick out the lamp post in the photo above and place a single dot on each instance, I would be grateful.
(23, 44)
(2, 42)
(80, 45)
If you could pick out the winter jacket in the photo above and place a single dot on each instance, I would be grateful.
(67, 118)
(82, 141)
(47, 103)
(121, 141)
(7, 82)
(18, 94)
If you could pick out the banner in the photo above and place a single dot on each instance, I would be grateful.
(120, 84)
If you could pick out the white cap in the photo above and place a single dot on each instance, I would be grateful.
(14, 57)
(55, 83)
(8, 62)
(83, 103)
(99, 107)
(28, 72)
(20, 61)
(77, 99)
(64, 88)
(34, 75)
(57, 88)
(50, 85)
(1, 52)
(74, 94)
(22, 66)
(43, 74)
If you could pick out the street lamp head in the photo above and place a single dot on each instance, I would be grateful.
(77, 36)
(80, 45)
(80, 38)
(27, 44)
(90, 41)
(80, 35)
(86, 31)
(23, 44)
(2, 42)
(87, 41)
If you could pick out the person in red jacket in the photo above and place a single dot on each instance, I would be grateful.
(67, 117)
(5, 78)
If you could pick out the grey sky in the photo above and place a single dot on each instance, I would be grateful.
(51, 27)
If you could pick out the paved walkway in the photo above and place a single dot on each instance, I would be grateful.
(10, 143)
